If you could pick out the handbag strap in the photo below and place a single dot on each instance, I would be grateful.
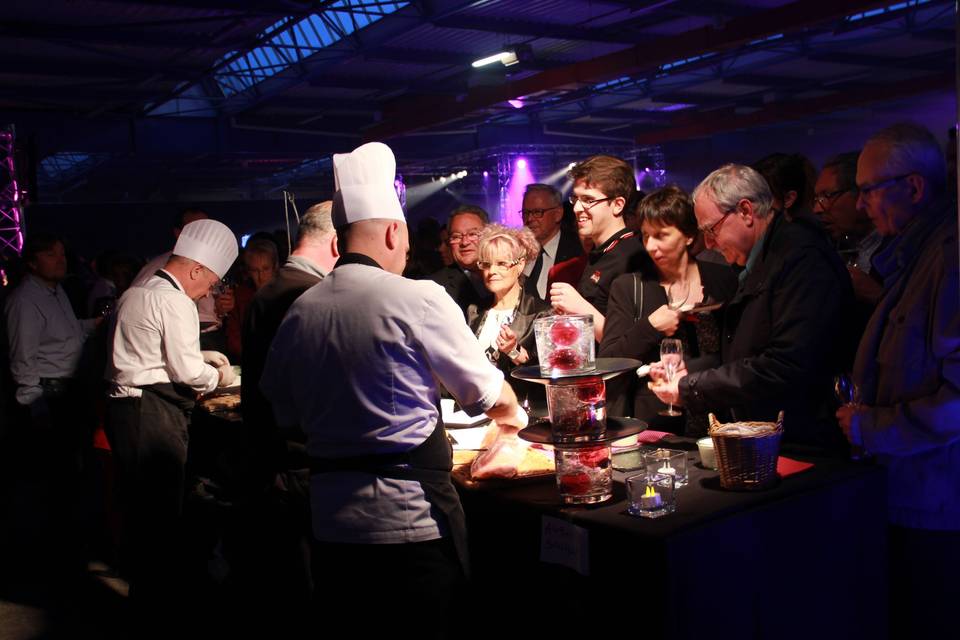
(637, 309)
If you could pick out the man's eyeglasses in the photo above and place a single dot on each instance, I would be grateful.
(536, 214)
(867, 189)
(503, 265)
(588, 203)
(712, 231)
(471, 236)
(826, 200)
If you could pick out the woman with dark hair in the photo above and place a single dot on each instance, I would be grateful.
(791, 178)
(640, 315)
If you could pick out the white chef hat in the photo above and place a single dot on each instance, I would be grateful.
(210, 243)
(363, 180)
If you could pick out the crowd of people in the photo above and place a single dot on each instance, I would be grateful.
(775, 279)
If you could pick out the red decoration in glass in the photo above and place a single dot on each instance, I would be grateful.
(564, 333)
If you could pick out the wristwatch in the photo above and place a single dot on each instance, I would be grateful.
(513, 355)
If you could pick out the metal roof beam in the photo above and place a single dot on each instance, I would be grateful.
(928, 62)
(705, 124)
(410, 115)
(535, 29)
(118, 34)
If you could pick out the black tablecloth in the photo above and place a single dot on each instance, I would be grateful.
(807, 557)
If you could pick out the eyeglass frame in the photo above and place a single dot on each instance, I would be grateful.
(712, 231)
(587, 207)
(490, 265)
(867, 189)
(537, 214)
(830, 198)
(456, 238)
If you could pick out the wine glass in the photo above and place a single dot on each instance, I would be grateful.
(677, 294)
(848, 393)
(224, 286)
(671, 355)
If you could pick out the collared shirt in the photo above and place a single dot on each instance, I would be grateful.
(900, 250)
(866, 248)
(306, 265)
(753, 256)
(355, 365)
(154, 339)
(205, 305)
(621, 253)
(45, 337)
(549, 259)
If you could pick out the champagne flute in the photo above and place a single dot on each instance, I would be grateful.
(671, 355)
(848, 393)
(677, 294)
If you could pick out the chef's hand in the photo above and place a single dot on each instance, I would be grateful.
(227, 376)
(665, 320)
(668, 391)
(215, 358)
(223, 303)
(565, 299)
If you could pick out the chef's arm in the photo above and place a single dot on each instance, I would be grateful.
(506, 410)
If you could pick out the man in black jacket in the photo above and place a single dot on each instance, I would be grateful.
(462, 280)
(785, 332)
(543, 214)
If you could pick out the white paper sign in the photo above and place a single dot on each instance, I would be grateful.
(564, 543)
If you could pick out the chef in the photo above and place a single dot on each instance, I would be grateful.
(155, 371)
(356, 364)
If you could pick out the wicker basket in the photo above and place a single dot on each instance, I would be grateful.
(747, 462)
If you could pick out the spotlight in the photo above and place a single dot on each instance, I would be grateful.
(443, 179)
(486, 174)
(571, 165)
(516, 103)
(521, 164)
(506, 57)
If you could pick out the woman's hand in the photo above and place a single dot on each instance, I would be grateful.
(507, 342)
(665, 320)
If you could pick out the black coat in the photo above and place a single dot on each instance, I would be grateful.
(529, 309)
(628, 333)
(458, 286)
(266, 312)
(784, 334)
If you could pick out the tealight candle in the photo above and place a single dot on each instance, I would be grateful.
(667, 469)
(650, 499)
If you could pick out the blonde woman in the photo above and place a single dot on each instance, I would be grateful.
(505, 327)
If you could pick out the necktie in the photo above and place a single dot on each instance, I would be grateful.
(534, 277)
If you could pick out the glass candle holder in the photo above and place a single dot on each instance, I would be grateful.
(577, 409)
(585, 474)
(565, 345)
(708, 455)
(668, 462)
(651, 495)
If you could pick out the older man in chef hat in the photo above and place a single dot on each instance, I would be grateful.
(156, 371)
(356, 364)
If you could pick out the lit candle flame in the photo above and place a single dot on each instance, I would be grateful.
(649, 493)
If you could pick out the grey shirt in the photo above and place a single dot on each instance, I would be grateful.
(45, 336)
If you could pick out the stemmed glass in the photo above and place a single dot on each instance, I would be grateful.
(677, 294)
(848, 393)
(223, 287)
(671, 355)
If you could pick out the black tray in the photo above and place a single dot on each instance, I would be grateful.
(540, 432)
(606, 367)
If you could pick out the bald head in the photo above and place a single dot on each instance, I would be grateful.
(386, 241)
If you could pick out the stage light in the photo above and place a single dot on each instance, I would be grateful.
(521, 164)
(486, 174)
(516, 103)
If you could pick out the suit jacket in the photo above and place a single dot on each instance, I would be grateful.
(458, 286)
(265, 313)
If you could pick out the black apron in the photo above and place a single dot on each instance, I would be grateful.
(430, 464)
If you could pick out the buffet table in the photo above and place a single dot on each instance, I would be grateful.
(804, 559)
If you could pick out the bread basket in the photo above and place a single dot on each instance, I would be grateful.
(746, 452)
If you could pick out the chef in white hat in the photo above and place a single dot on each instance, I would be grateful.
(156, 371)
(356, 364)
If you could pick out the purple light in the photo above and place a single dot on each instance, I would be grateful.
(486, 174)
(521, 164)
(516, 103)
(522, 176)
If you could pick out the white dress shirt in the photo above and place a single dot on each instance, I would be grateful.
(355, 364)
(205, 305)
(44, 335)
(155, 338)
(549, 258)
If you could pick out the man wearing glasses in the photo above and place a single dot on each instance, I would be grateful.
(462, 280)
(853, 234)
(908, 371)
(603, 187)
(785, 331)
(542, 213)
